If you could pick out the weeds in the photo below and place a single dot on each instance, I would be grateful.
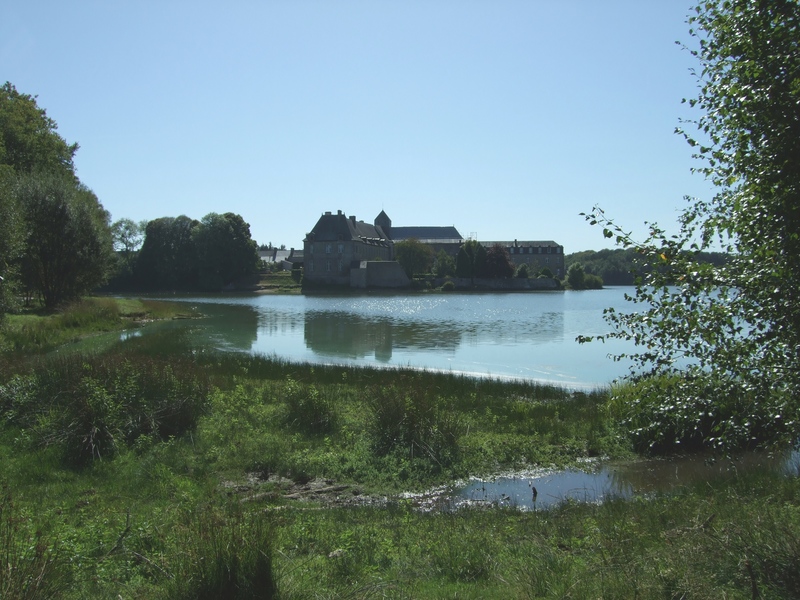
(30, 566)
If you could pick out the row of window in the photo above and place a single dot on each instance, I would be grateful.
(531, 250)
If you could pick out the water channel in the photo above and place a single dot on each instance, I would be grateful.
(530, 336)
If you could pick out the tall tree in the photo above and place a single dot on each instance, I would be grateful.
(168, 258)
(225, 251)
(471, 260)
(498, 263)
(68, 249)
(737, 324)
(11, 242)
(28, 137)
(414, 256)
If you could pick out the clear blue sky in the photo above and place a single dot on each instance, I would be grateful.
(504, 118)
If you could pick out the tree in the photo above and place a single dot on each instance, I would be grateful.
(168, 258)
(576, 276)
(523, 271)
(28, 143)
(414, 256)
(471, 260)
(11, 243)
(725, 339)
(498, 263)
(444, 265)
(225, 250)
(68, 248)
(28, 138)
(128, 235)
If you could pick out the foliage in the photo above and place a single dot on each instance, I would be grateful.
(498, 263)
(523, 271)
(28, 138)
(735, 327)
(68, 240)
(471, 260)
(180, 253)
(11, 243)
(444, 265)
(415, 257)
(167, 259)
(90, 407)
(225, 250)
(620, 266)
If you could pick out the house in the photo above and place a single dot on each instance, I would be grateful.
(339, 244)
(536, 254)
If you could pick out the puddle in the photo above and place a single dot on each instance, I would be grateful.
(536, 490)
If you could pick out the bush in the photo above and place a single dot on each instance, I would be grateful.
(410, 420)
(91, 406)
(309, 410)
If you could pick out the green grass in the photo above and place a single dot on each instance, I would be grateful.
(156, 470)
(36, 331)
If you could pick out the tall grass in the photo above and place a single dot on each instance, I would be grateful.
(30, 565)
(90, 405)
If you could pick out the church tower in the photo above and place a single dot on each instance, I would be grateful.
(384, 222)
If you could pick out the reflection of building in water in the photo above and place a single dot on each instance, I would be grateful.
(346, 335)
(351, 336)
(230, 326)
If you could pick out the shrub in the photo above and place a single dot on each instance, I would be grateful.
(90, 406)
(412, 421)
(309, 410)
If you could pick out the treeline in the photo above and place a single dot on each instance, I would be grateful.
(179, 253)
(619, 266)
(57, 242)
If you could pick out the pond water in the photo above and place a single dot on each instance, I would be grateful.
(602, 481)
(527, 336)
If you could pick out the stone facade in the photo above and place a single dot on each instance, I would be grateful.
(536, 254)
(338, 244)
(341, 250)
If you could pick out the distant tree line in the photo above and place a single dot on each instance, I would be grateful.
(620, 266)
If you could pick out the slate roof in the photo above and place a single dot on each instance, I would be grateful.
(338, 227)
(428, 234)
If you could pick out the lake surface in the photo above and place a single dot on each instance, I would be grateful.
(527, 336)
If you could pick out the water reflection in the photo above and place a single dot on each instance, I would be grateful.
(352, 336)
(526, 336)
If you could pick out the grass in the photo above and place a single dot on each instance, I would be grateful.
(156, 470)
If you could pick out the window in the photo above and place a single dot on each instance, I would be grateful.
(341, 267)
(327, 248)
(328, 266)
(341, 249)
(311, 248)
(549, 249)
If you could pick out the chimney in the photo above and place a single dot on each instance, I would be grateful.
(353, 219)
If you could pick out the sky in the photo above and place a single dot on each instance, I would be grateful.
(504, 118)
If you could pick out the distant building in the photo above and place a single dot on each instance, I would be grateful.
(339, 250)
(536, 254)
(337, 244)
(438, 238)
